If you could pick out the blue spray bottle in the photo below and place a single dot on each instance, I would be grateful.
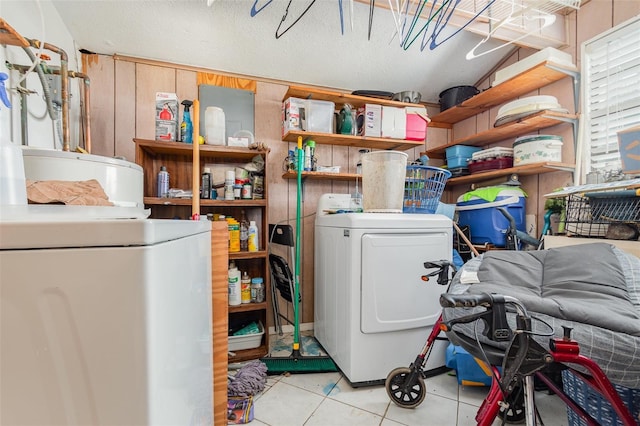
(186, 127)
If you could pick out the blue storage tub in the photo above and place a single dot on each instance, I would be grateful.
(461, 151)
(486, 223)
(460, 155)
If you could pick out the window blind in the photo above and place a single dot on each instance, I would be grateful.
(611, 75)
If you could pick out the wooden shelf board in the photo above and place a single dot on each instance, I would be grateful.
(527, 169)
(531, 123)
(355, 141)
(248, 255)
(249, 354)
(323, 176)
(155, 201)
(206, 151)
(247, 307)
(340, 98)
(523, 83)
(11, 37)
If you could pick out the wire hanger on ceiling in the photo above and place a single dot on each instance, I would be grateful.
(419, 8)
(255, 11)
(440, 27)
(284, 17)
(547, 18)
(372, 6)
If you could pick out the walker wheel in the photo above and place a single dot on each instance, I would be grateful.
(402, 393)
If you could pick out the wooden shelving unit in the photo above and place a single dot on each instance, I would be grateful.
(537, 121)
(534, 78)
(539, 76)
(339, 98)
(178, 157)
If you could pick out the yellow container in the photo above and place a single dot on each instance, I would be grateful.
(234, 235)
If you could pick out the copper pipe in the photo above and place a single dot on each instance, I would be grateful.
(86, 116)
(64, 87)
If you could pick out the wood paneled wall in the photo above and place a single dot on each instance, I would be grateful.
(123, 95)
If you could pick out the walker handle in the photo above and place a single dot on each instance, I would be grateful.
(465, 300)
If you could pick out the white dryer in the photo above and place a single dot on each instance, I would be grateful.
(372, 311)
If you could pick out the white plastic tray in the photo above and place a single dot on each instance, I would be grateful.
(496, 151)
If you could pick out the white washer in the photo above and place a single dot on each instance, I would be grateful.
(104, 321)
(372, 311)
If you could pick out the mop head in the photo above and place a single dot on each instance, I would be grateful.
(249, 380)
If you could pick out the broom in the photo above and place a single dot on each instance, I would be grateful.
(296, 362)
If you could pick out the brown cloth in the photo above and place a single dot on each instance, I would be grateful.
(82, 193)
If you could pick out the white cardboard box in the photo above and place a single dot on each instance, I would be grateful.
(394, 123)
(291, 119)
(167, 109)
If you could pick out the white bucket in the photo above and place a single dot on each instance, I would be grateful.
(383, 174)
(214, 121)
(121, 180)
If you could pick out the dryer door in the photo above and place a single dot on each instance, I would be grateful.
(393, 295)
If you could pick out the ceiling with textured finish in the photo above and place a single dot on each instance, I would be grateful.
(251, 38)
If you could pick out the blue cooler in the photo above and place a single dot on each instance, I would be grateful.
(486, 223)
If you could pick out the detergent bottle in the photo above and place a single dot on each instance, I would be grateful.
(186, 127)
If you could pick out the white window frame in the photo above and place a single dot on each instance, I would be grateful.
(621, 113)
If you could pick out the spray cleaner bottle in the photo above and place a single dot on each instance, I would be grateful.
(186, 127)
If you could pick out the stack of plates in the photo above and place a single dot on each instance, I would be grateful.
(526, 106)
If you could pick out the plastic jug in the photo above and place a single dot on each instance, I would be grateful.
(13, 186)
(214, 124)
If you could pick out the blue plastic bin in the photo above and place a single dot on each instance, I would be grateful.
(470, 371)
(486, 223)
(460, 155)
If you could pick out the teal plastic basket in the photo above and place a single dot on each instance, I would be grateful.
(423, 187)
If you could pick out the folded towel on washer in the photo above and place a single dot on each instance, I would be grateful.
(81, 193)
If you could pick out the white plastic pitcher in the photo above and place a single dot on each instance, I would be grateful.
(383, 174)
(214, 124)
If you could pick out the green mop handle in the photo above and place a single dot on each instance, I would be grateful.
(296, 289)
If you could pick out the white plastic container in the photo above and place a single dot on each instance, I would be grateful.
(247, 341)
(13, 187)
(537, 148)
(383, 174)
(318, 116)
(235, 285)
(214, 122)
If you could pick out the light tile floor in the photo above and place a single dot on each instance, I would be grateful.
(328, 399)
